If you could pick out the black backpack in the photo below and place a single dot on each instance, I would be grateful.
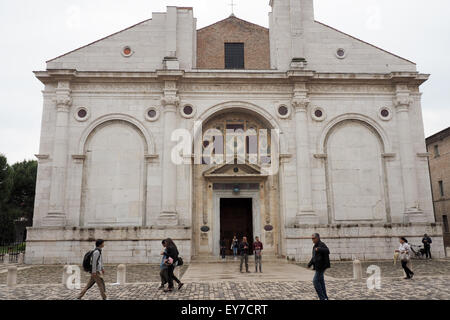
(87, 261)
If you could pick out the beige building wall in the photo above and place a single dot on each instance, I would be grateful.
(438, 145)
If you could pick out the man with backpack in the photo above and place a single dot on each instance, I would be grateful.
(93, 264)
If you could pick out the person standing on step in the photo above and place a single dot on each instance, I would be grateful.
(427, 245)
(320, 261)
(235, 246)
(257, 250)
(223, 248)
(243, 250)
(96, 269)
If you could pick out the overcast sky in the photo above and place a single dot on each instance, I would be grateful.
(33, 32)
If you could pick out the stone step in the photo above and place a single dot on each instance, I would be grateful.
(230, 259)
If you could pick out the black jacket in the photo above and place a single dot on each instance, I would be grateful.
(172, 252)
(426, 241)
(321, 258)
(241, 248)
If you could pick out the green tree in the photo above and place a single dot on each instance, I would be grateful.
(6, 214)
(23, 189)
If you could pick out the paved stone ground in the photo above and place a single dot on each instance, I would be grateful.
(429, 288)
(388, 269)
(393, 287)
(53, 274)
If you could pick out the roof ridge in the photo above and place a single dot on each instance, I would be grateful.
(232, 17)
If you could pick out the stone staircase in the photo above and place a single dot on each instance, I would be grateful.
(231, 259)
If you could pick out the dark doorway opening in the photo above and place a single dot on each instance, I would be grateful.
(236, 219)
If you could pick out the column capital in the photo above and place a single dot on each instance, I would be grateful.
(300, 104)
(402, 102)
(167, 101)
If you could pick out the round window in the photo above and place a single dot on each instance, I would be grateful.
(82, 113)
(127, 52)
(318, 113)
(152, 114)
(341, 53)
(283, 110)
(385, 114)
(188, 110)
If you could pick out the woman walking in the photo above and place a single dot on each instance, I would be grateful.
(404, 251)
(171, 253)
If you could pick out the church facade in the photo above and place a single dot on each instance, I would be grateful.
(162, 130)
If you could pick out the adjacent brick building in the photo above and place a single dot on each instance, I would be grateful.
(439, 147)
(211, 42)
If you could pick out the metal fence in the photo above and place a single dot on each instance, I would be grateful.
(13, 250)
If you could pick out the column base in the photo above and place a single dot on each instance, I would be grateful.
(298, 63)
(306, 217)
(54, 219)
(167, 219)
(414, 216)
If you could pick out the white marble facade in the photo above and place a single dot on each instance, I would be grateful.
(352, 157)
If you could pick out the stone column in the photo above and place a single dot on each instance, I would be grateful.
(305, 211)
(170, 103)
(402, 103)
(56, 215)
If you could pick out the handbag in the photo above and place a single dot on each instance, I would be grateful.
(404, 256)
(179, 262)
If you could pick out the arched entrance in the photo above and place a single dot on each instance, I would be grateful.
(233, 194)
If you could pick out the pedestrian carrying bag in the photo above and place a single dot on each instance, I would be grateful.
(404, 257)
(87, 261)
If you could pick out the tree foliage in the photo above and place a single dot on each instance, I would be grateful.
(17, 191)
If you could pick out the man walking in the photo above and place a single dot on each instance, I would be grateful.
(427, 245)
(243, 249)
(97, 271)
(257, 250)
(320, 261)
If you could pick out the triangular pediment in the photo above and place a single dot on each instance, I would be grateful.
(234, 170)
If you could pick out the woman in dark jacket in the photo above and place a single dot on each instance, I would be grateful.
(172, 258)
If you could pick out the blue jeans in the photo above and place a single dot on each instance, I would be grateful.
(319, 285)
(235, 251)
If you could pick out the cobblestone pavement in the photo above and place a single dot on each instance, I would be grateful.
(43, 283)
(53, 274)
(388, 269)
(429, 288)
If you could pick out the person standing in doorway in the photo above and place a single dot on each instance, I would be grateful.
(235, 246)
(404, 251)
(257, 250)
(97, 271)
(243, 250)
(320, 261)
(427, 245)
